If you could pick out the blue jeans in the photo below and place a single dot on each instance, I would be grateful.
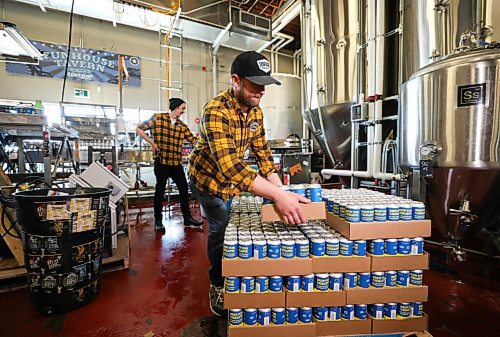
(217, 212)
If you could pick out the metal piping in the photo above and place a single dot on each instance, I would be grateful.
(215, 49)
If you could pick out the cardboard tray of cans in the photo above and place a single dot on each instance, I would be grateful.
(341, 264)
(255, 300)
(266, 267)
(315, 298)
(336, 328)
(312, 211)
(379, 230)
(400, 325)
(398, 262)
(295, 330)
(387, 295)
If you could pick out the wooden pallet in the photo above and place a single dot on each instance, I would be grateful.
(120, 258)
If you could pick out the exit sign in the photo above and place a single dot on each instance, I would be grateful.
(81, 93)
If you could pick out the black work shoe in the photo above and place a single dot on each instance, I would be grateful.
(192, 223)
(216, 295)
(159, 226)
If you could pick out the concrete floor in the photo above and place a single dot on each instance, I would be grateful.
(165, 293)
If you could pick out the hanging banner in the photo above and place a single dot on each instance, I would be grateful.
(85, 64)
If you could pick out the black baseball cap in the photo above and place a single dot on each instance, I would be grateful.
(254, 67)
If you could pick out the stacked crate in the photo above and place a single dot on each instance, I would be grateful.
(239, 268)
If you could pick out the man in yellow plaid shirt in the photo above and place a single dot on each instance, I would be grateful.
(231, 123)
(168, 134)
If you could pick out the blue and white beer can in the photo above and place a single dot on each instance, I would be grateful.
(404, 246)
(278, 316)
(376, 247)
(350, 280)
(274, 249)
(403, 278)
(305, 315)
(235, 316)
(418, 210)
(360, 311)
(336, 281)
(335, 313)
(332, 246)
(230, 249)
(346, 247)
(391, 278)
(391, 310)
(298, 189)
(292, 315)
(232, 284)
(352, 213)
(264, 316)
(377, 310)
(288, 249)
(336, 207)
(391, 246)
(276, 283)
(359, 248)
(293, 283)
(302, 248)
(393, 212)
(348, 312)
(380, 213)
(261, 284)
(320, 314)
(417, 277)
(367, 213)
(247, 284)
(405, 211)
(307, 282)
(245, 249)
(321, 282)
(404, 310)
(364, 280)
(318, 247)
(250, 316)
(417, 246)
(378, 279)
(313, 192)
(330, 205)
(259, 249)
(417, 309)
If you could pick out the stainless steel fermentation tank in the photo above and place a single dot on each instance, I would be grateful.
(441, 52)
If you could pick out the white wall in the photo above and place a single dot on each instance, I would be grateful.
(91, 33)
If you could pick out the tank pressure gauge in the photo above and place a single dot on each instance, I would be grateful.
(429, 150)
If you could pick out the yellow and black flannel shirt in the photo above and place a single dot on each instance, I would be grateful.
(168, 137)
(216, 162)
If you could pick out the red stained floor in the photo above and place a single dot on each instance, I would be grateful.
(165, 291)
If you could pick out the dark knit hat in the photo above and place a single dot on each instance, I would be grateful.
(174, 103)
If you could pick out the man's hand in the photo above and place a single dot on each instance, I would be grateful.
(154, 148)
(288, 204)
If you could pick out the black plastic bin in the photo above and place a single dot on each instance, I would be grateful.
(63, 244)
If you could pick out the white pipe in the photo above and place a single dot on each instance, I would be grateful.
(371, 25)
(379, 49)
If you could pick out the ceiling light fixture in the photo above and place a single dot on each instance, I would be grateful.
(14, 47)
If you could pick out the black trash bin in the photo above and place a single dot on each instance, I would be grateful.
(63, 233)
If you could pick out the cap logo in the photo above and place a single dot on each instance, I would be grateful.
(264, 65)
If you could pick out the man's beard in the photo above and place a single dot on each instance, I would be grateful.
(249, 103)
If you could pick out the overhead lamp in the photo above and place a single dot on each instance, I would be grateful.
(15, 47)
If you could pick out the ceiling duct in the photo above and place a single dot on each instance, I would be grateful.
(250, 24)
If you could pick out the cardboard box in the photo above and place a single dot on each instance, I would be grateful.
(254, 300)
(292, 330)
(341, 264)
(400, 325)
(312, 211)
(315, 299)
(387, 295)
(379, 230)
(266, 267)
(399, 262)
(336, 328)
